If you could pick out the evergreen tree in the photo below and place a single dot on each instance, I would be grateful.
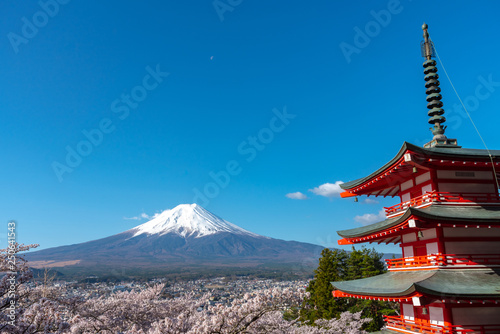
(363, 263)
(320, 304)
(339, 265)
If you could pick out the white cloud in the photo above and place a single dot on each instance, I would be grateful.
(328, 189)
(371, 201)
(296, 195)
(370, 218)
(132, 218)
(141, 216)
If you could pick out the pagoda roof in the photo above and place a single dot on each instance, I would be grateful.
(469, 283)
(452, 152)
(475, 214)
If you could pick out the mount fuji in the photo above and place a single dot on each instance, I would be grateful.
(187, 237)
(189, 220)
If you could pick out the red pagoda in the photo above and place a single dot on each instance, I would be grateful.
(448, 227)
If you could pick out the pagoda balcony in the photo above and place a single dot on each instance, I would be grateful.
(435, 197)
(443, 261)
(400, 324)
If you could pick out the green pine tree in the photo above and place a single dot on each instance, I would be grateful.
(339, 265)
(363, 263)
(321, 304)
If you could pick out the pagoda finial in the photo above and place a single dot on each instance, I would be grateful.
(433, 97)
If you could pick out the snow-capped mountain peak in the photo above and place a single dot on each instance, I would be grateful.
(189, 220)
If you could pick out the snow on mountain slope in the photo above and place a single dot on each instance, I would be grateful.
(189, 220)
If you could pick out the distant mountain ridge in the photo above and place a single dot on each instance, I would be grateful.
(187, 236)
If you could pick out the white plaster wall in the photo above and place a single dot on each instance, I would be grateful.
(473, 247)
(476, 315)
(471, 232)
(476, 188)
(452, 174)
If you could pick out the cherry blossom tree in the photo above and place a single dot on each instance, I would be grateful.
(24, 309)
(146, 312)
(42, 309)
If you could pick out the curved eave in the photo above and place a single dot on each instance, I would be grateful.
(459, 215)
(376, 227)
(391, 284)
(451, 152)
(355, 183)
(471, 284)
(340, 294)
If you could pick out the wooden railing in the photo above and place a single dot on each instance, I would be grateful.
(443, 260)
(434, 196)
(464, 198)
(417, 326)
(424, 326)
(416, 201)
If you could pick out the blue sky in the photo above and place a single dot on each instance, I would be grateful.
(268, 98)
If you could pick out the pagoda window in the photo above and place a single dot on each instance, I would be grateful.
(432, 248)
(422, 178)
(409, 237)
(436, 316)
(408, 251)
(406, 185)
(408, 313)
(427, 234)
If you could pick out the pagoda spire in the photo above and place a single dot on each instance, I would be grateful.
(433, 94)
